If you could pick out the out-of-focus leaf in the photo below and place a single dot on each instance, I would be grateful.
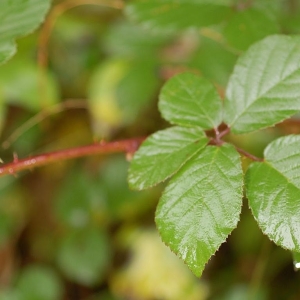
(189, 100)
(163, 153)
(21, 17)
(249, 26)
(178, 14)
(78, 199)
(23, 74)
(121, 202)
(84, 256)
(13, 210)
(118, 91)
(154, 272)
(273, 188)
(238, 292)
(201, 205)
(296, 260)
(124, 39)
(7, 50)
(18, 18)
(263, 89)
(37, 283)
(221, 61)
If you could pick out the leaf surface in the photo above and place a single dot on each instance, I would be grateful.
(7, 50)
(273, 190)
(201, 205)
(178, 14)
(21, 17)
(189, 100)
(249, 26)
(264, 87)
(162, 154)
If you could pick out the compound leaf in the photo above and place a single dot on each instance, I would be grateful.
(273, 189)
(264, 87)
(201, 205)
(189, 100)
(162, 154)
(178, 14)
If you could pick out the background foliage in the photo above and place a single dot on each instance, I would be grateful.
(74, 230)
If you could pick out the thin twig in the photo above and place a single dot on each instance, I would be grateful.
(48, 25)
(39, 117)
(58, 10)
(249, 155)
(128, 146)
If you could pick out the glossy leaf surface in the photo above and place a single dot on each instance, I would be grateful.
(162, 154)
(273, 189)
(189, 100)
(264, 87)
(201, 205)
(178, 14)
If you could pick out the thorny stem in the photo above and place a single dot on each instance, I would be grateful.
(128, 146)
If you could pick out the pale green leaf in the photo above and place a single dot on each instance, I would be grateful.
(24, 74)
(7, 50)
(21, 17)
(201, 205)
(178, 14)
(39, 282)
(249, 26)
(162, 154)
(264, 87)
(119, 90)
(273, 189)
(189, 100)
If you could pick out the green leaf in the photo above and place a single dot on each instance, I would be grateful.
(38, 282)
(23, 73)
(201, 205)
(7, 50)
(21, 17)
(296, 260)
(125, 39)
(273, 189)
(249, 26)
(264, 87)
(84, 256)
(189, 100)
(214, 62)
(162, 154)
(178, 14)
(119, 90)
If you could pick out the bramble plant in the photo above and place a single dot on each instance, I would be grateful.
(208, 173)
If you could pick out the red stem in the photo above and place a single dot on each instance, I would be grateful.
(127, 146)
(249, 155)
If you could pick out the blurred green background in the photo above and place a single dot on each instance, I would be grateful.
(73, 230)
